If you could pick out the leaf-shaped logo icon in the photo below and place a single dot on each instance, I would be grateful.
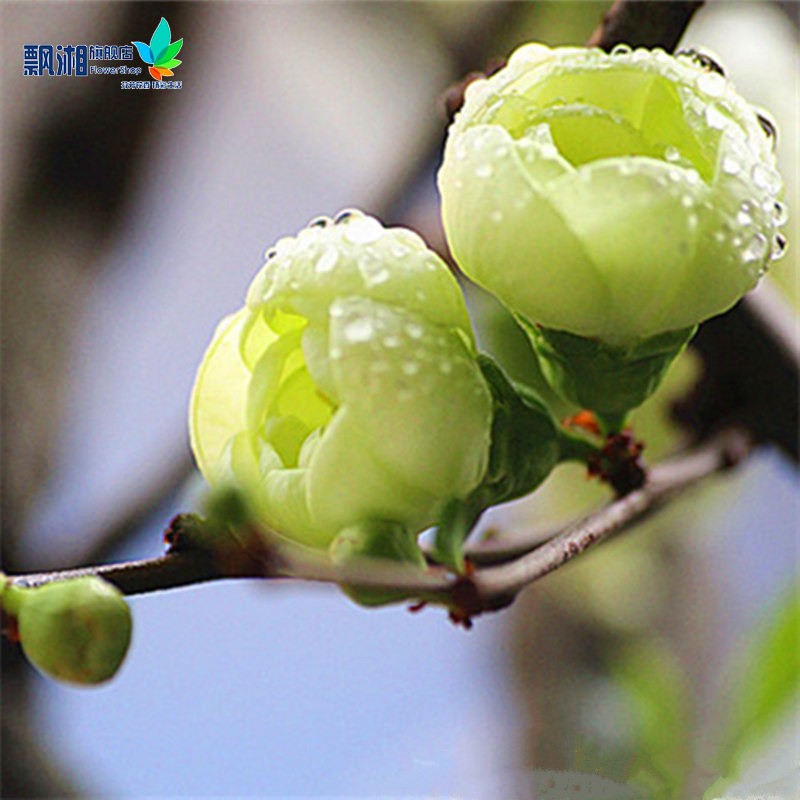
(160, 53)
(170, 53)
(160, 41)
(144, 52)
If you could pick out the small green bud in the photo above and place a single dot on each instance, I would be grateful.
(613, 197)
(347, 390)
(76, 630)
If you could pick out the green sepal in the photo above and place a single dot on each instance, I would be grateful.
(611, 381)
(458, 518)
(377, 540)
(526, 446)
(525, 439)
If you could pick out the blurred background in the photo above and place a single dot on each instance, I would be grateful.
(132, 222)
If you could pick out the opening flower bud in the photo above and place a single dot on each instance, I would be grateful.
(76, 630)
(614, 197)
(347, 390)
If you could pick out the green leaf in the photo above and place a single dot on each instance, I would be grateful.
(768, 681)
(170, 52)
(654, 688)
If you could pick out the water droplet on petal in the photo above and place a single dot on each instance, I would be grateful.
(621, 50)
(766, 178)
(715, 118)
(730, 166)
(363, 230)
(672, 153)
(711, 83)
(319, 222)
(415, 330)
(745, 213)
(756, 248)
(327, 260)
(778, 246)
(271, 253)
(781, 214)
(346, 215)
(359, 330)
(484, 170)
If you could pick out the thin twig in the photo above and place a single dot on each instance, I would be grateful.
(487, 588)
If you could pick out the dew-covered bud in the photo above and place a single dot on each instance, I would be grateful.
(346, 392)
(75, 630)
(614, 197)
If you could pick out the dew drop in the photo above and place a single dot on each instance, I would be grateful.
(730, 166)
(415, 330)
(398, 251)
(363, 230)
(359, 330)
(484, 170)
(745, 213)
(319, 222)
(769, 127)
(327, 260)
(766, 178)
(687, 201)
(711, 83)
(621, 50)
(672, 153)
(778, 246)
(346, 215)
(781, 214)
(756, 248)
(715, 117)
(270, 254)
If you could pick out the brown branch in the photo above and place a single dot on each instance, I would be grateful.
(644, 23)
(486, 589)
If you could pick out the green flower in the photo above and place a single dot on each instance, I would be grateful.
(76, 630)
(610, 198)
(346, 396)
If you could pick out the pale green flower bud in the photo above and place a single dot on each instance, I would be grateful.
(615, 197)
(76, 630)
(347, 391)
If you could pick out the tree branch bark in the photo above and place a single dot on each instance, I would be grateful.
(486, 588)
